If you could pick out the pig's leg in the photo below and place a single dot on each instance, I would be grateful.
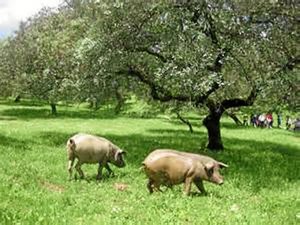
(199, 184)
(99, 175)
(150, 186)
(70, 165)
(187, 185)
(157, 187)
(78, 168)
(110, 172)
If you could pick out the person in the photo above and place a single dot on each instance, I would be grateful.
(288, 122)
(269, 120)
(261, 120)
(256, 121)
(279, 120)
(253, 120)
(297, 125)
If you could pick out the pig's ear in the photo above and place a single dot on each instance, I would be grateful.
(209, 168)
(222, 165)
(209, 165)
(123, 152)
(119, 152)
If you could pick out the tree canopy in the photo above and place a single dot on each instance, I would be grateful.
(209, 54)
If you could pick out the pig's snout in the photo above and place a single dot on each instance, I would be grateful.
(122, 164)
(217, 180)
(220, 182)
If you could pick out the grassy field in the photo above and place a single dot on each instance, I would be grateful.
(262, 184)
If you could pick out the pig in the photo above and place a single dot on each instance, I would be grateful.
(170, 167)
(93, 149)
(202, 158)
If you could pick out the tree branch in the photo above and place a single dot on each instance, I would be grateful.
(156, 91)
(202, 98)
(185, 121)
(241, 66)
(211, 32)
(152, 52)
(218, 64)
(234, 117)
(237, 102)
(290, 64)
(198, 11)
(274, 13)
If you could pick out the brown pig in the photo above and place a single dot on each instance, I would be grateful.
(93, 149)
(170, 167)
(202, 158)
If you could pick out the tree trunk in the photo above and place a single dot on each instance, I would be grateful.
(186, 121)
(96, 104)
(120, 101)
(212, 124)
(212, 121)
(234, 117)
(53, 109)
(18, 98)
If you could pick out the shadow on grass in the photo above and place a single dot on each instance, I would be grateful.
(230, 125)
(92, 178)
(179, 132)
(24, 102)
(197, 122)
(193, 120)
(254, 164)
(17, 144)
(57, 139)
(32, 112)
(27, 113)
(7, 118)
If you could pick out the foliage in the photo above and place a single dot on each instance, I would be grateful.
(183, 50)
(181, 46)
(213, 54)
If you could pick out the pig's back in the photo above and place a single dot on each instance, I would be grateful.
(89, 148)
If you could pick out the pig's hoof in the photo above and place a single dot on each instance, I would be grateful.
(150, 191)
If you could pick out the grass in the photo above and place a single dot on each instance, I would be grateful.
(261, 186)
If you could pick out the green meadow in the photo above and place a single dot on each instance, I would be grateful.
(262, 183)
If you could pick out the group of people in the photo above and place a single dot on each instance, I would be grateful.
(266, 120)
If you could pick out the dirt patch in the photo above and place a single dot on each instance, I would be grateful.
(120, 186)
(52, 187)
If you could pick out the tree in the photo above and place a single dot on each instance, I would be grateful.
(214, 54)
(5, 79)
(11, 63)
(49, 51)
(218, 54)
(43, 53)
